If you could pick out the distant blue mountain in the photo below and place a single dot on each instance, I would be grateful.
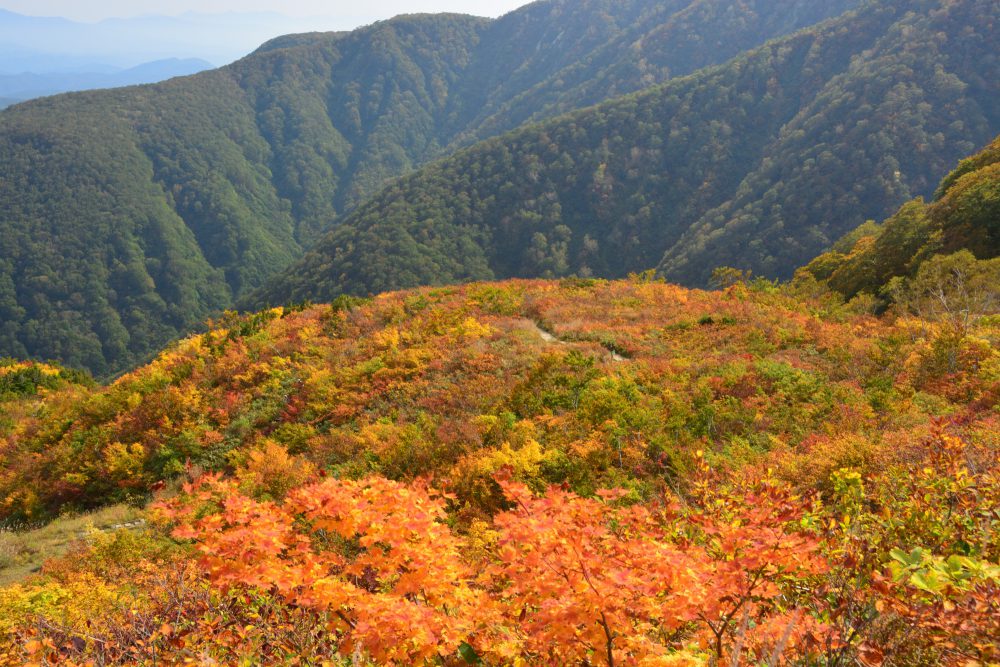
(42, 44)
(42, 56)
(27, 85)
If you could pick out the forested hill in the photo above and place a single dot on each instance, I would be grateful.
(760, 163)
(636, 44)
(957, 233)
(128, 216)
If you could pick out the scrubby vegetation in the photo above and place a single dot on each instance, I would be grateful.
(421, 477)
(24, 548)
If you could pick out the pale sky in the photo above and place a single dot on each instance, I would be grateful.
(362, 10)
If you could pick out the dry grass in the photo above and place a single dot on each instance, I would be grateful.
(22, 552)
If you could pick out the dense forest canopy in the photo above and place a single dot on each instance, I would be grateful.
(128, 216)
(964, 215)
(759, 164)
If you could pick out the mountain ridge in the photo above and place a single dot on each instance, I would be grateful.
(645, 181)
(242, 167)
(29, 85)
(127, 42)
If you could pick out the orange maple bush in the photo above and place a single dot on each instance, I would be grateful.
(585, 578)
(374, 556)
(563, 579)
(765, 560)
(631, 585)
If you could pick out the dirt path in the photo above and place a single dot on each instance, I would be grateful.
(549, 338)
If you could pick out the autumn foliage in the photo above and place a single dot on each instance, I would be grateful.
(574, 473)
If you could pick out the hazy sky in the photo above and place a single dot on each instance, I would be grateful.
(364, 10)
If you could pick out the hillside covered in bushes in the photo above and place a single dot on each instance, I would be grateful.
(559, 469)
(822, 484)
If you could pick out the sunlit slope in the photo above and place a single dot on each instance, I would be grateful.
(964, 215)
(616, 382)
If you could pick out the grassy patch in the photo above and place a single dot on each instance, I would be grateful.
(22, 552)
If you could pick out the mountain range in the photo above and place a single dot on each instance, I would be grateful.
(273, 180)
(53, 44)
(760, 163)
(28, 85)
(41, 56)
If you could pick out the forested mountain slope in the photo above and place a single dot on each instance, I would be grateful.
(760, 163)
(666, 39)
(964, 215)
(127, 216)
